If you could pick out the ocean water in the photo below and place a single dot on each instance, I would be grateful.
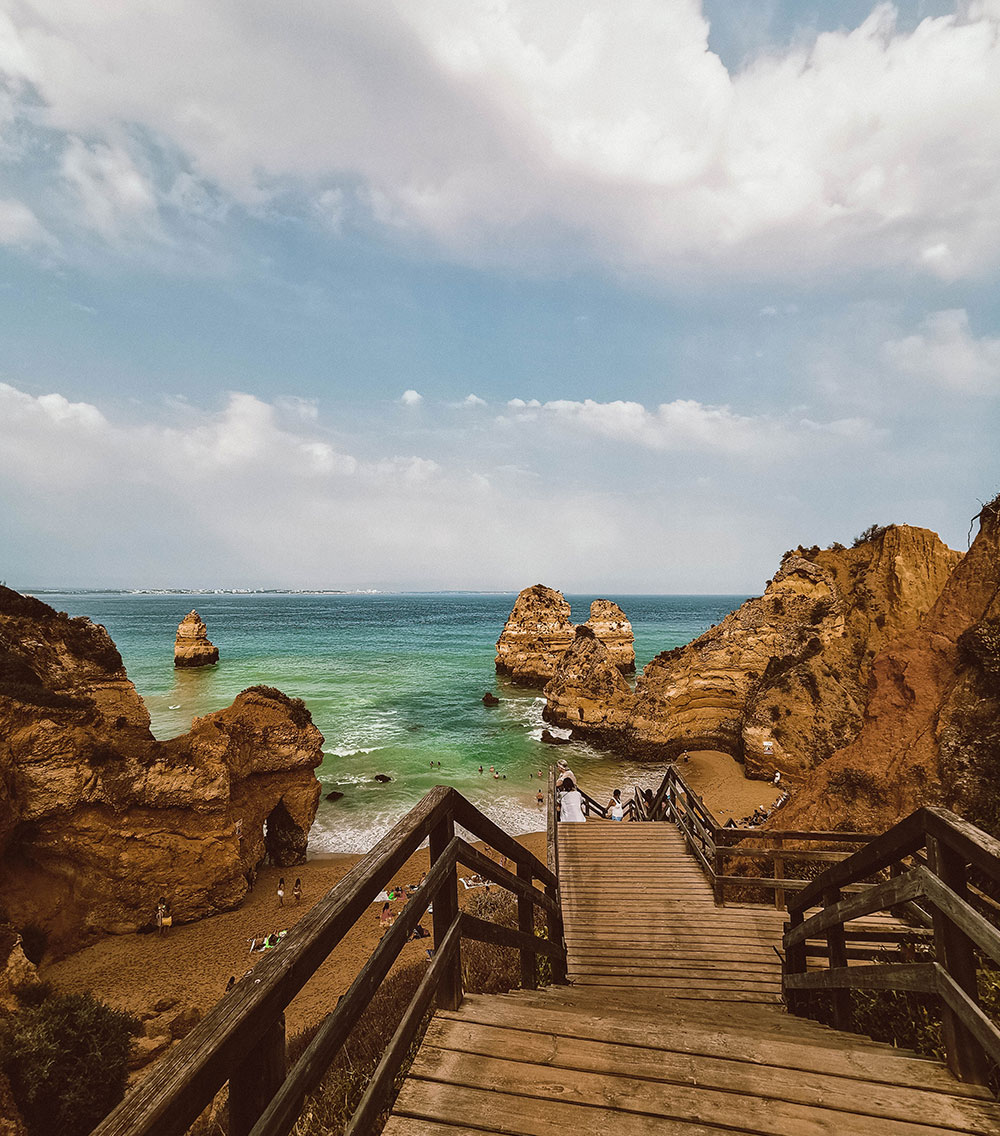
(395, 684)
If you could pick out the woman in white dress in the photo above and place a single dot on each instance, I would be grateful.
(571, 802)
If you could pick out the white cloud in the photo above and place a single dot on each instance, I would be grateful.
(113, 195)
(523, 132)
(411, 398)
(686, 425)
(945, 353)
(473, 400)
(19, 226)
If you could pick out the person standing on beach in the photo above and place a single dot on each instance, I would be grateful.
(163, 916)
(297, 892)
(281, 892)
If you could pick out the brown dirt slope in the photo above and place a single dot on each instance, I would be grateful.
(931, 732)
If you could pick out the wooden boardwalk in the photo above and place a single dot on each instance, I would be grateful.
(672, 1023)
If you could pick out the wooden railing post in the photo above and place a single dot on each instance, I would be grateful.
(252, 1085)
(445, 913)
(836, 947)
(719, 868)
(955, 953)
(526, 925)
(795, 963)
(779, 874)
(554, 927)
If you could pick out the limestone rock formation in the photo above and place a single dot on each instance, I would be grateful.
(539, 631)
(535, 636)
(611, 625)
(588, 692)
(98, 819)
(931, 732)
(192, 647)
(782, 682)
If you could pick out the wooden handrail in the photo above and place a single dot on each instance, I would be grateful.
(713, 843)
(241, 1039)
(942, 847)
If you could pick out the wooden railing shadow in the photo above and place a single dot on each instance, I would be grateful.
(947, 872)
(242, 1039)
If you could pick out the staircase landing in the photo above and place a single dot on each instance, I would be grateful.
(672, 1023)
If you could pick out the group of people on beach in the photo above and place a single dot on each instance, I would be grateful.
(296, 892)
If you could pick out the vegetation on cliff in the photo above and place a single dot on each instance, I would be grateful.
(66, 1057)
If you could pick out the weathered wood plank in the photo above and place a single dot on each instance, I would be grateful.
(763, 1035)
(486, 932)
(515, 1115)
(920, 977)
(629, 1095)
(733, 1074)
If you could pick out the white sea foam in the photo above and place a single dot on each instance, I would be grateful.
(335, 831)
(348, 751)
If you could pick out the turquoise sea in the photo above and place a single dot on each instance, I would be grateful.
(394, 682)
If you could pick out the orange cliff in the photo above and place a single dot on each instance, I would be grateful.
(98, 819)
(781, 683)
(931, 731)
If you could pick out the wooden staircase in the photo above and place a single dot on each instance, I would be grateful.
(672, 1023)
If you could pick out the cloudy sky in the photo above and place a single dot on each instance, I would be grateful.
(480, 293)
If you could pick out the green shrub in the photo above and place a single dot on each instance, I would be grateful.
(873, 532)
(67, 1060)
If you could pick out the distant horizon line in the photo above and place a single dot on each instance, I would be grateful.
(83, 591)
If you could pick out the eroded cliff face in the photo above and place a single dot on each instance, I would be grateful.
(539, 631)
(782, 682)
(931, 731)
(98, 819)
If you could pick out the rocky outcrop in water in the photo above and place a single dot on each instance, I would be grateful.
(192, 647)
(781, 683)
(611, 625)
(539, 631)
(98, 819)
(931, 732)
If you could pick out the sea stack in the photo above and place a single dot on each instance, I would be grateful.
(539, 631)
(535, 636)
(192, 647)
(611, 625)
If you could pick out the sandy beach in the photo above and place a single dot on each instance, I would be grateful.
(192, 963)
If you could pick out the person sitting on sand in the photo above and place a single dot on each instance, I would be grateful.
(615, 810)
(420, 932)
(387, 917)
(571, 803)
